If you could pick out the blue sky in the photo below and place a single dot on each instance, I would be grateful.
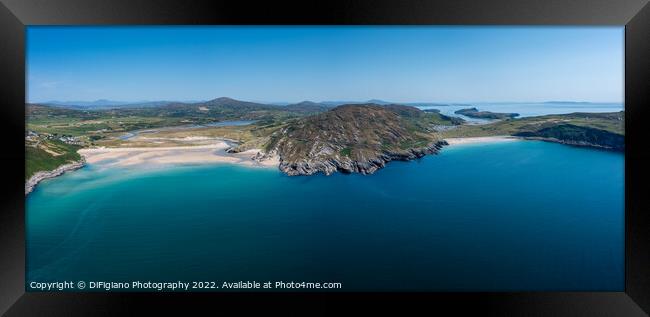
(290, 64)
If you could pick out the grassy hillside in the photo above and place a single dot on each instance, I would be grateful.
(612, 122)
(354, 138)
(48, 155)
(604, 130)
(354, 130)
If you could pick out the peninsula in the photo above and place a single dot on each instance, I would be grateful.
(354, 139)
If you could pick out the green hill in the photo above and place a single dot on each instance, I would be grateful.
(354, 139)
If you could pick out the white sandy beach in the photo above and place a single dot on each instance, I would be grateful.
(486, 139)
(200, 154)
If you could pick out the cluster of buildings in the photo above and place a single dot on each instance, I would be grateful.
(35, 137)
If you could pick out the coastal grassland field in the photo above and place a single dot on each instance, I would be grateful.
(90, 125)
(93, 125)
(47, 155)
(247, 136)
(103, 125)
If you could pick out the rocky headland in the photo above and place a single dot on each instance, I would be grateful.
(39, 176)
(354, 139)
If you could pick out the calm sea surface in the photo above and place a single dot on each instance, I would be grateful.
(521, 215)
(529, 109)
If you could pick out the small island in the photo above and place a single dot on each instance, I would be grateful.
(475, 113)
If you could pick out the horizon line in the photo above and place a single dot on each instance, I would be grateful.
(124, 102)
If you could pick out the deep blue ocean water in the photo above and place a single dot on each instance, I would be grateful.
(522, 215)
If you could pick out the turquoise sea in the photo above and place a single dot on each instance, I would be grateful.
(523, 215)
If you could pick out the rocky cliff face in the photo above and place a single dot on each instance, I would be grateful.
(347, 165)
(353, 139)
(39, 176)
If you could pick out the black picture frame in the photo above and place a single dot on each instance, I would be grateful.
(634, 14)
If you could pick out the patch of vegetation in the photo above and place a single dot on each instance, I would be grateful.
(579, 135)
(48, 155)
(474, 113)
(598, 129)
(611, 121)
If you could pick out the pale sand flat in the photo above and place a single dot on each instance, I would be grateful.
(486, 139)
(200, 154)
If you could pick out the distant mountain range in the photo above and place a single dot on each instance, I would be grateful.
(107, 104)
(96, 103)
(303, 106)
